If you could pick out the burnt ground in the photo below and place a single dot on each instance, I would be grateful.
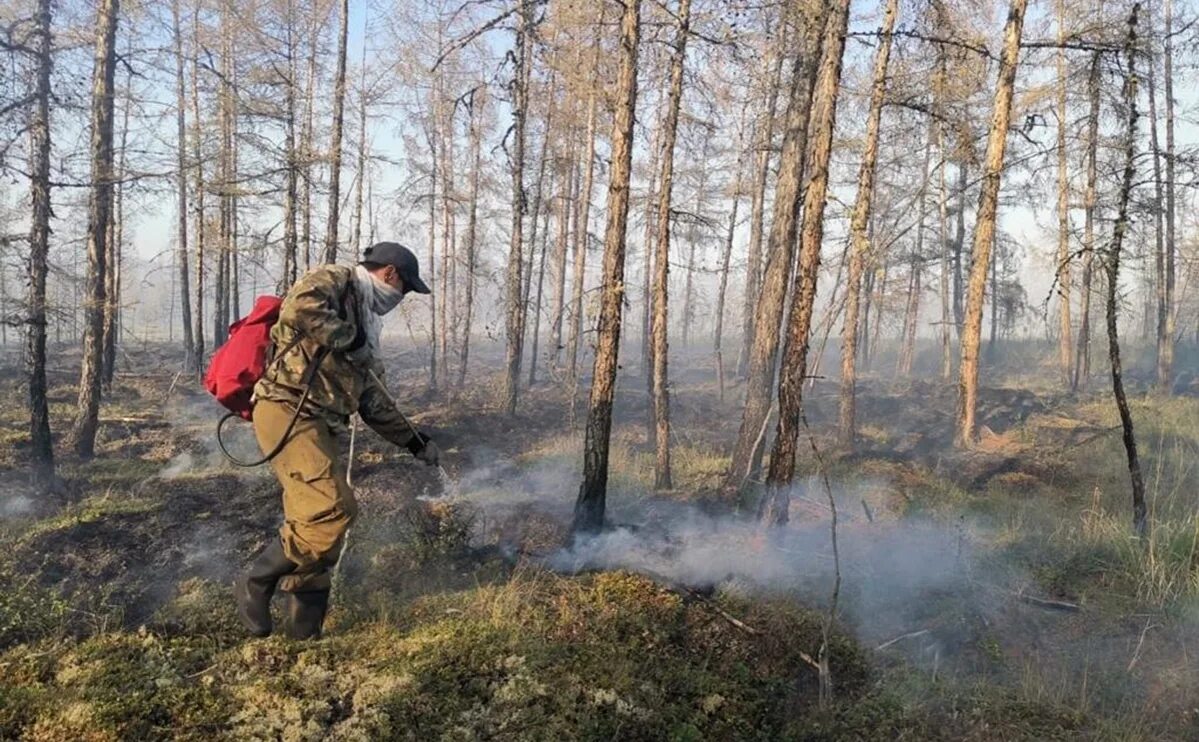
(996, 641)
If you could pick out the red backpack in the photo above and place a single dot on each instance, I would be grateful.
(238, 364)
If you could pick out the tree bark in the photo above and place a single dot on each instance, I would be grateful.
(515, 307)
(472, 228)
(198, 158)
(1139, 511)
(582, 223)
(41, 454)
(725, 262)
(779, 257)
(112, 278)
(189, 346)
(659, 323)
(803, 297)
(984, 230)
(1082, 359)
(83, 433)
(858, 227)
(589, 508)
(1065, 330)
(753, 264)
(339, 102)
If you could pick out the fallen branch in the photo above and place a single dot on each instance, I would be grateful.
(909, 635)
(1053, 605)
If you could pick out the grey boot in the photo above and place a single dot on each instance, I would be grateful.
(305, 613)
(253, 590)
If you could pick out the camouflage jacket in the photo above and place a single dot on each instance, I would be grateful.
(320, 311)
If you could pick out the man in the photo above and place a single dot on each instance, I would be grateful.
(332, 318)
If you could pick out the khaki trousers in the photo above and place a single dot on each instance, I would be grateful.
(318, 505)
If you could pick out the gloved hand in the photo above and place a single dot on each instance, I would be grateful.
(423, 448)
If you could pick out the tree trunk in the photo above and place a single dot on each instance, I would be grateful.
(753, 264)
(1082, 359)
(112, 279)
(476, 148)
(959, 246)
(83, 433)
(198, 157)
(290, 243)
(589, 508)
(1065, 331)
(911, 316)
(362, 173)
(189, 346)
(701, 195)
(339, 101)
(41, 454)
(434, 172)
(726, 259)
(582, 222)
(858, 227)
(803, 297)
(779, 257)
(515, 307)
(570, 191)
(1139, 512)
(536, 304)
(659, 324)
(984, 230)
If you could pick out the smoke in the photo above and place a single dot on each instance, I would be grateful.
(13, 506)
(890, 570)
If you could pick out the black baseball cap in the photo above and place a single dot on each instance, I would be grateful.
(393, 253)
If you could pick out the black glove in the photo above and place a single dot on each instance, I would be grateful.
(423, 448)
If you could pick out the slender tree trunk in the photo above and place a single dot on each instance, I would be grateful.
(753, 265)
(1065, 330)
(1082, 360)
(476, 148)
(779, 257)
(911, 318)
(339, 102)
(858, 228)
(362, 172)
(1166, 313)
(647, 270)
(659, 325)
(536, 305)
(726, 259)
(199, 230)
(803, 298)
(41, 454)
(589, 508)
(984, 230)
(112, 279)
(434, 174)
(189, 346)
(959, 246)
(582, 223)
(515, 307)
(83, 433)
(570, 191)
(701, 195)
(1139, 512)
(290, 243)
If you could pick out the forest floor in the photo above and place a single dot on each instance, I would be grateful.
(985, 596)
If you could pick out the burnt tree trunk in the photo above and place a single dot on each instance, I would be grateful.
(1065, 330)
(859, 239)
(803, 297)
(83, 433)
(779, 256)
(514, 306)
(984, 229)
(1082, 349)
(189, 346)
(41, 449)
(589, 508)
(659, 323)
(1140, 519)
(339, 102)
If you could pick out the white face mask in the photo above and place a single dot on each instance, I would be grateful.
(385, 297)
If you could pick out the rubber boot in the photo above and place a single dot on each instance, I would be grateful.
(305, 613)
(253, 590)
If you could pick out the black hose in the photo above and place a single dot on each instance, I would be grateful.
(309, 375)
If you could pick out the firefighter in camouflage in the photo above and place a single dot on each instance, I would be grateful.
(331, 317)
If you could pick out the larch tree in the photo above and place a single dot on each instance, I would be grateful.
(859, 227)
(590, 505)
(984, 228)
(794, 366)
(780, 250)
(339, 99)
(659, 322)
(514, 306)
(83, 432)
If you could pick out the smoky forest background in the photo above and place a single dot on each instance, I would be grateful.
(804, 369)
